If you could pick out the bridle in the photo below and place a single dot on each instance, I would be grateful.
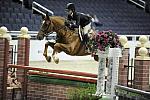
(53, 29)
(45, 31)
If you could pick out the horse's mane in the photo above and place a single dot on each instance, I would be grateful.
(58, 19)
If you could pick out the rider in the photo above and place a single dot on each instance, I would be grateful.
(78, 20)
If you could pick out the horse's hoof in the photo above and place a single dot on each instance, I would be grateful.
(96, 57)
(56, 60)
(48, 58)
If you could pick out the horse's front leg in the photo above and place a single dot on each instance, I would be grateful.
(58, 47)
(45, 49)
(51, 44)
(55, 56)
(48, 58)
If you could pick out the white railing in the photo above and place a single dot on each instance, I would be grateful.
(38, 44)
(142, 6)
(34, 4)
(16, 33)
(134, 37)
(142, 1)
(34, 33)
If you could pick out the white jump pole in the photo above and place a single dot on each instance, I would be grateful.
(113, 65)
(101, 72)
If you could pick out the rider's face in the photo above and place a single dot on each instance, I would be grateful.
(69, 12)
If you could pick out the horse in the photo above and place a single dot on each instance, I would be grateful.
(67, 39)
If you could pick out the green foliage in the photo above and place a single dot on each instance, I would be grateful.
(80, 93)
(51, 80)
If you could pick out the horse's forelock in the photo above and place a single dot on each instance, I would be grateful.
(43, 21)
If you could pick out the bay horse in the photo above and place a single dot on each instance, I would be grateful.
(67, 39)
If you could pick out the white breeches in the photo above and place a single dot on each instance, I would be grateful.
(87, 29)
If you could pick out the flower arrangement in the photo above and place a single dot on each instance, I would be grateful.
(106, 39)
(102, 41)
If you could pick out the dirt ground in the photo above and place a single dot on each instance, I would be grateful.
(89, 66)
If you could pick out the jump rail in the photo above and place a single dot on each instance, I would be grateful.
(60, 74)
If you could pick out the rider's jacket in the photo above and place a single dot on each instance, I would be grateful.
(79, 19)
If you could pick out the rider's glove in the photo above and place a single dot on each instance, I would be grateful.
(67, 24)
(71, 26)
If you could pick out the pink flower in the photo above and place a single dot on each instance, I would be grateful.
(107, 39)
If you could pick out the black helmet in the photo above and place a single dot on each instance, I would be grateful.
(70, 6)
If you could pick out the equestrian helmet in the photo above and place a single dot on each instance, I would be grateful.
(70, 6)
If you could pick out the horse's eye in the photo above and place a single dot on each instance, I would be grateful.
(44, 25)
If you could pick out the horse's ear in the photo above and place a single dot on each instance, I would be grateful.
(47, 16)
(43, 16)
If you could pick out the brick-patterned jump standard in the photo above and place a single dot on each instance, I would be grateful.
(4, 53)
(142, 65)
(141, 74)
(122, 72)
(23, 59)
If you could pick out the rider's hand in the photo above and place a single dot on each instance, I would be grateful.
(71, 27)
(67, 24)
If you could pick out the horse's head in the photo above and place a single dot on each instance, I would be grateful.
(46, 27)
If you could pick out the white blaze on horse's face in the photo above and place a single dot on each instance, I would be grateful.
(43, 22)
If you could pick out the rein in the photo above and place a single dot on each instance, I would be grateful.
(57, 28)
(45, 31)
